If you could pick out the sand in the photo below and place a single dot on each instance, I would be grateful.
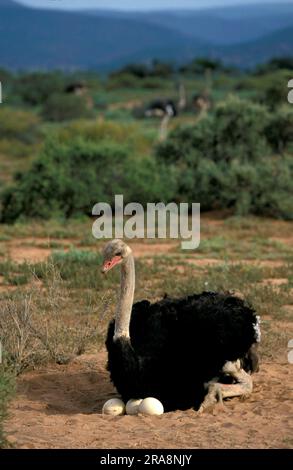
(60, 407)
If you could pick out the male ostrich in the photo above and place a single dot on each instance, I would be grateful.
(166, 109)
(177, 350)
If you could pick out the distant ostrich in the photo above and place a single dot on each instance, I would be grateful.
(166, 109)
(80, 89)
(160, 108)
(178, 350)
(202, 103)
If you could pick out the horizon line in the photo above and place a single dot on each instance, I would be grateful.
(148, 10)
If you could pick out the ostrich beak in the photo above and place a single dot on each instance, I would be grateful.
(107, 265)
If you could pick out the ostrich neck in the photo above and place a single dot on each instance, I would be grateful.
(125, 302)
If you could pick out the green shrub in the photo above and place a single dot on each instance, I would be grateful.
(235, 129)
(96, 130)
(275, 64)
(274, 88)
(226, 160)
(279, 130)
(35, 88)
(239, 130)
(69, 178)
(18, 124)
(65, 107)
(124, 80)
(270, 89)
(262, 188)
(201, 65)
(6, 391)
(157, 69)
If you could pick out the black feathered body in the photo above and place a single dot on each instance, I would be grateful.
(177, 345)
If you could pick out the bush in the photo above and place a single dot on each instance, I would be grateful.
(262, 188)
(239, 130)
(64, 107)
(135, 137)
(35, 88)
(226, 160)
(140, 71)
(275, 64)
(273, 88)
(6, 391)
(69, 178)
(279, 131)
(17, 124)
(123, 80)
(201, 65)
(235, 129)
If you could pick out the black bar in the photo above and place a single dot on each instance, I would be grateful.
(181, 458)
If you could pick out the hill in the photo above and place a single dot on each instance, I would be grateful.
(221, 26)
(104, 40)
(31, 38)
(277, 44)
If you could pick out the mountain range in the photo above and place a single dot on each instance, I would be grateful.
(103, 40)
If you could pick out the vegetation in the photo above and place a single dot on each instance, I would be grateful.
(230, 154)
(60, 307)
(69, 178)
(236, 157)
(58, 158)
(6, 392)
(64, 107)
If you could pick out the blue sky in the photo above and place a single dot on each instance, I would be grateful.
(140, 4)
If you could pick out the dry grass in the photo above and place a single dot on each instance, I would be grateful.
(59, 308)
(36, 325)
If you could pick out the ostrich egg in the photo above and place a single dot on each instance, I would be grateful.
(132, 406)
(151, 406)
(114, 407)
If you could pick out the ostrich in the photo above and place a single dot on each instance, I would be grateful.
(80, 89)
(202, 104)
(181, 351)
(166, 109)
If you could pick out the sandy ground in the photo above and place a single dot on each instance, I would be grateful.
(60, 407)
(19, 252)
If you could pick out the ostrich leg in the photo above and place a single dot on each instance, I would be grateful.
(164, 128)
(218, 391)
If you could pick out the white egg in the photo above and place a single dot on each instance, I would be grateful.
(151, 406)
(114, 407)
(132, 406)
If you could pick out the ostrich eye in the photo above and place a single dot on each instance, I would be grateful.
(119, 253)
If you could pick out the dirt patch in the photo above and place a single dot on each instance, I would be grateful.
(61, 407)
(275, 282)
(128, 105)
(19, 254)
(34, 249)
(203, 262)
(212, 261)
(153, 249)
(285, 240)
(4, 288)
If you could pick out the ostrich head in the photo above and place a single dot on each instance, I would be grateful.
(114, 253)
